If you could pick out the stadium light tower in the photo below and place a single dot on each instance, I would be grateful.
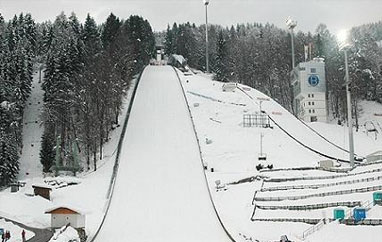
(291, 24)
(206, 2)
(344, 44)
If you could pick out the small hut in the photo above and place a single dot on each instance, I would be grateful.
(64, 215)
(326, 164)
(42, 190)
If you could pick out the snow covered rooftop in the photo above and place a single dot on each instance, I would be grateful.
(64, 209)
(42, 185)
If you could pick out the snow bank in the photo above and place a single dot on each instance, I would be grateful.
(15, 231)
(65, 234)
(234, 150)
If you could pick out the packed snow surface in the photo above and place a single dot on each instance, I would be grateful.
(87, 191)
(30, 165)
(231, 150)
(15, 231)
(65, 234)
(161, 193)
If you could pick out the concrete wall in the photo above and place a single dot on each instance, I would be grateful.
(75, 220)
(313, 104)
(80, 221)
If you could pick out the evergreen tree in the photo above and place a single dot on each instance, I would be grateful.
(47, 152)
(168, 43)
(110, 30)
(221, 69)
(91, 38)
(9, 166)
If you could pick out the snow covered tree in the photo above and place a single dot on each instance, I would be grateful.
(221, 68)
(17, 43)
(110, 30)
(47, 152)
(91, 37)
(9, 166)
(168, 42)
(87, 73)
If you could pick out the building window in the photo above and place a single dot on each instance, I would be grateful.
(308, 95)
(308, 103)
(310, 111)
(313, 111)
(312, 70)
(312, 95)
(312, 103)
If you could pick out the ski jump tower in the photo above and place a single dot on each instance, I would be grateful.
(309, 90)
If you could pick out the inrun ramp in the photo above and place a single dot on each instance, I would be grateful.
(160, 192)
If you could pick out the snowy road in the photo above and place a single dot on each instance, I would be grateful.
(160, 192)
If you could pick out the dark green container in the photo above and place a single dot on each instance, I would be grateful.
(377, 198)
(339, 213)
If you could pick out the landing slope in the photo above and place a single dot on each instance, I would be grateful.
(160, 192)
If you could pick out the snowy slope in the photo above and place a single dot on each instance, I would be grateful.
(232, 150)
(296, 128)
(160, 192)
(30, 165)
(15, 231)
(90, 193)
(219, 118)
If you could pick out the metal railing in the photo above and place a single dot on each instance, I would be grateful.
(320, 177)
(313, 229)
(316, 186)
(313, 221)
(322, 194)
(310, 206)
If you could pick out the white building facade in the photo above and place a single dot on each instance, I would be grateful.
(62, 216)
(309, 91)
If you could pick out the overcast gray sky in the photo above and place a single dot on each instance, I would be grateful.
(336, 14)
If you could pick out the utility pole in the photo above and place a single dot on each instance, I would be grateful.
(291, 24)
(343, 39)
(349, 107)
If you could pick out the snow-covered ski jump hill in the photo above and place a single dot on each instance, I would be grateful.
(161, 193)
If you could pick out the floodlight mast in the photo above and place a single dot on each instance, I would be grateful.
(291, 24)
(206, 2)
(344, 44)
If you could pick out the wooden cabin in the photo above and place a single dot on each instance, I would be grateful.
(42, 190)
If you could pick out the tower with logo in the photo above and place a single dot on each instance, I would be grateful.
(309, 90)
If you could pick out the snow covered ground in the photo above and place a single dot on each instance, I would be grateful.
(89, 193)
(15, 231)
(160, 193)
(148, 190)
(30, 165)
(65, 234)
(232, 150)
